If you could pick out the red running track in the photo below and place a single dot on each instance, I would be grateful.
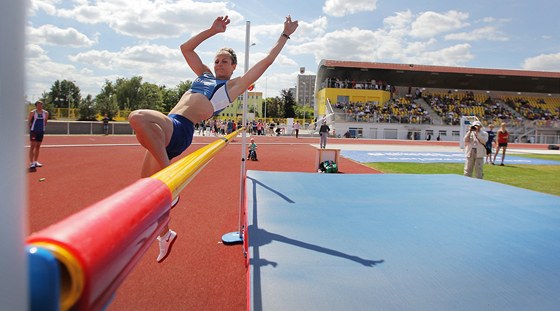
(200, 273)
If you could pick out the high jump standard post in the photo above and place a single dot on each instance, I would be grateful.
(13, 189)
(237, 237)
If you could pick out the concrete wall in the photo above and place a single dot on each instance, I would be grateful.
(397, 131)
(87, 127)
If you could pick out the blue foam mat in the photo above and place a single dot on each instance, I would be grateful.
(400, 242)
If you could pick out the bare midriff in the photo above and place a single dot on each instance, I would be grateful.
(194, 106)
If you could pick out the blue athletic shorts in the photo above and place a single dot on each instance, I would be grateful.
(36, 135)
(181, 139)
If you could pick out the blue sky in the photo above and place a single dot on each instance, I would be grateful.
(90, 41)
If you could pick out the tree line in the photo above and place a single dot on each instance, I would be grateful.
(127, 94)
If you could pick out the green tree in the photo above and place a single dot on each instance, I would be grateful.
(289, 103)
(274, 107)
(127, 92)
(64, 94)
(150, 97)
(171, 96)
(106, 100)
(88, 110)
(304, 111)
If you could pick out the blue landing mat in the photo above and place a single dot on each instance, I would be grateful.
(400, 242)
(431, 157)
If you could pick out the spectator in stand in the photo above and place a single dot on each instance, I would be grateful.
(490, 143)
(475, 149)
(503, 138)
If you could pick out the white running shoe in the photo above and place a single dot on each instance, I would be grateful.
(165, 243)
(37, 164)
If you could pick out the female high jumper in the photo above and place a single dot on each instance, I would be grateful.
(166, 137)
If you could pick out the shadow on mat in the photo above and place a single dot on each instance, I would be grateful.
(259, 237)
(256, 182)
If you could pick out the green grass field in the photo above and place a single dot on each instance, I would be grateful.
(541, 178)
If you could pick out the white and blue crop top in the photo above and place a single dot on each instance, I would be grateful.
(215, 90)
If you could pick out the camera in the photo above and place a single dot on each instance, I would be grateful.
(473, 128)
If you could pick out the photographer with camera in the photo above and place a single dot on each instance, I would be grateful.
(475, 149)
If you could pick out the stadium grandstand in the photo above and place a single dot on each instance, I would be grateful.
(410, 101)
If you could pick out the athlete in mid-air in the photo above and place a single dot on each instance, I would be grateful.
(166, 137)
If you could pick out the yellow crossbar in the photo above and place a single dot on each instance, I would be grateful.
(178, 175)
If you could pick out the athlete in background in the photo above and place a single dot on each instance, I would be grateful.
(37, 125)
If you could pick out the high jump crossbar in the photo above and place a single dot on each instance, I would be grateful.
(90, 253)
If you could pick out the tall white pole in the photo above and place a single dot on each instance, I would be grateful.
(13, 204)
(237, 237)
(265, 94)
(244, 133)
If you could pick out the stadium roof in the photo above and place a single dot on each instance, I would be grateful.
(413, 75)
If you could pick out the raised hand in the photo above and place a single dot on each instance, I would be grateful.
(290, 26)
(220, 24)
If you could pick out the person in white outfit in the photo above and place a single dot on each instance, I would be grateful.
(475, 150)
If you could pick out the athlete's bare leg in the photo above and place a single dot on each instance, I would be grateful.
(153, 130)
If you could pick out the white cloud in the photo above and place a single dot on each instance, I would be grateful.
(44, 70)
(456, 55)
(151, 19)
(52, 35)
(544, 62)
(339, 8)
(155, 63)
(392, 43)
(347, 44)
(310, 30)
(430, 24)
(484, 33)
(48, 6)
(398, 22)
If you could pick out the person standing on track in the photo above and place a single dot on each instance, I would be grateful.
(296, 129)
(503, 138)
(37, 125)
(105, 124)
(324, 133)
(166, 137)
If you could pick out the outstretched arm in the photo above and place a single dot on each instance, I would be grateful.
(187, 48)
(243, 82)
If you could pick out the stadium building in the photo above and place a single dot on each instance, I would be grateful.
(410, 101)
